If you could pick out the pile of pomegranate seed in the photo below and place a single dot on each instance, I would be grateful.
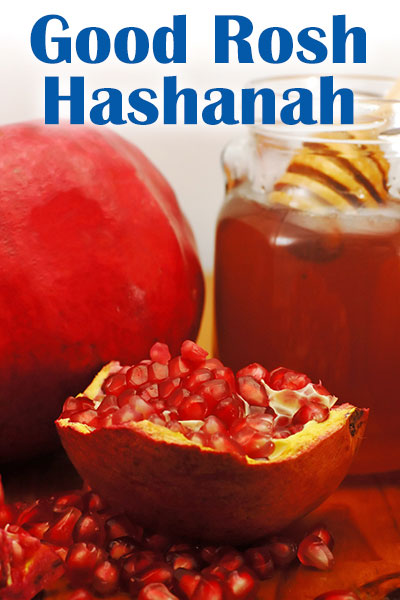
(105, 552)
(203, 400)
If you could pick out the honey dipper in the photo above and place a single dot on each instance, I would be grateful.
(345, 173)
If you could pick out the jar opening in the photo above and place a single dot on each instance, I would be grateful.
(376, 116)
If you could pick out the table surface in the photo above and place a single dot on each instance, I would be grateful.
(363, 516)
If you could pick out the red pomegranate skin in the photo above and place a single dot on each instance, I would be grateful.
(96, 261)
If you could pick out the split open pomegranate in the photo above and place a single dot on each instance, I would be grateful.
(185, 446)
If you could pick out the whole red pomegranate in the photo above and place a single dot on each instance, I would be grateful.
(96, 261)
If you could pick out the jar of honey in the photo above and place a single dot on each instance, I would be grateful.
(307, 267)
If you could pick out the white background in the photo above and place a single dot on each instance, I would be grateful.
(187, 155)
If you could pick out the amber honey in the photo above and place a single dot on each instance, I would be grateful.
(319, 294)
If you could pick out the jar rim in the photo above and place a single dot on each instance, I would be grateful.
(369, 99)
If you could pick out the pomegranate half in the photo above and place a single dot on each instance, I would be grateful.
(185, 447)
(96, 261)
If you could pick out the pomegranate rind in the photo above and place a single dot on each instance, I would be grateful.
(168, 483)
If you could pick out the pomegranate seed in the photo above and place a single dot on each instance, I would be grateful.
(38, 530)
(88, 528)
(159, 406)
(115, 384)
(229, 409)
(126, 414)
(149, 391)
(281, 434)
(216, 571)
(108, 405)
(116, 527)
(258, 446)
(199, 437)
(313, 552)
(231, 560)
(159, 572)
(105, 578)
(41, 510)
(282, 421)
(295, 429)
(106, 421)
(77, 404)
(182, 560)
(187, 581)
(193, 408)
(127, 397)
(159, 352)
(6, 515)
(158, 372)
(340, 595)
(227, 375)
(157, 420)
(143, 408)
(259, 559)
(192, 352)
(128, 567)
(81, 561)
(261, 422)
(177, 397)
(282, 378)
(94, 503)
(60, 533)
(178, 367)
(17, 552)
(168, 386)
(320, 389)
(80, 594)
(311, 411)
(14, 529)
(210, 554)
(209, 588)
(87, 417)
(213, 364)
(121, 547)
(138, 562)
(177, 427)
(196, 378)
(222, 443)
(283, 551)
(241, 432)
(213, 391)
(137, 375)
(213, 425)
(255, 371)
(324, 535)
(156, 591)
(253, 392)
(242, 583)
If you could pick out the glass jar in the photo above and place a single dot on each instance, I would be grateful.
(307, 267)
